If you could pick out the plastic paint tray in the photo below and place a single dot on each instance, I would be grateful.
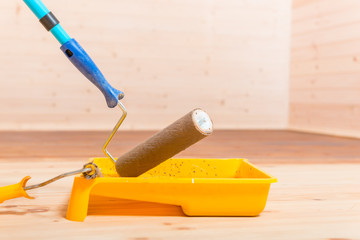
(202, 187)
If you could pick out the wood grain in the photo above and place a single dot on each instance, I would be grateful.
(325, 53)
(228, 57)
(271, 146)
(310, 201)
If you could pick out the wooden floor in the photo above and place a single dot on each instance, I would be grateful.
(317, 195)
(259, 146)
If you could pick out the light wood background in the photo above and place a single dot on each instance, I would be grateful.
(325, 67)
(230, 57)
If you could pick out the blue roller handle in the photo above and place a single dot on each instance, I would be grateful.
(82, 61)
(77, 56)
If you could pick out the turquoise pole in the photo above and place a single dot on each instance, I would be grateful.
(60, 34)
(40, 10)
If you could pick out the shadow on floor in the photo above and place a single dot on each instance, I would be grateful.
(99, 205)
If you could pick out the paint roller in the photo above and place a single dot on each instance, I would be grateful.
(178, 136)
(175, 138)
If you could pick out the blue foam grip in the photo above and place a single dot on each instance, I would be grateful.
(82, 61)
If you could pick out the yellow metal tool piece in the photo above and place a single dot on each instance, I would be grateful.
(122, 118)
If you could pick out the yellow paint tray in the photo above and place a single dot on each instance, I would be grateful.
(202, 187)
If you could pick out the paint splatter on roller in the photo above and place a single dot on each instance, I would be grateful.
(175, 138)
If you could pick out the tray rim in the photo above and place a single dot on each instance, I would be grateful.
(171, 180)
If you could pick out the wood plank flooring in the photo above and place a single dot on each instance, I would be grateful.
(316, 197)
(271, 146)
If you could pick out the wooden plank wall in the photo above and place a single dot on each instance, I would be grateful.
(230, 57)
(325, 67)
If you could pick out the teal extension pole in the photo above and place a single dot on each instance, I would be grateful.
(40, 11)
